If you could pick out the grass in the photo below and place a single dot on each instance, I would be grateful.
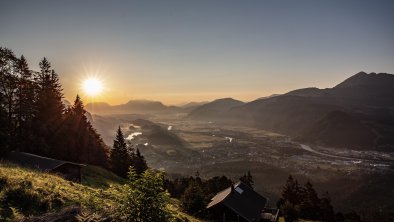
(25, 192)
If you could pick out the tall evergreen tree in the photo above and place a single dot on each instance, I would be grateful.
(292, 191)
(310, 203)
(49, 109)
(138, 162)
(326, 209)
(25, 104)
(83, 144)
(193, 199)
(8, 89)
(303, 202)
(120, 158)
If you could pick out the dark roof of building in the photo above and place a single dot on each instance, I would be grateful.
(35, 161)
(241, 199)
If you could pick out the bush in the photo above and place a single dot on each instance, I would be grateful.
(146, 200)
(193, 199)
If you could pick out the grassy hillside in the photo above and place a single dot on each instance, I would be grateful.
(27, 193)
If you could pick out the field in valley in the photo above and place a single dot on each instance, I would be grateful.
(217, 149)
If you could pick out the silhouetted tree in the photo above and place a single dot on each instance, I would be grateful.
(326, 209)
(49, 110)
(193, 199)
(120, 158)
(24, 104)
(138, 162)
(292, 192)
(289, 203)
(310, 203)
(82, 144)
(8, 90)
(247, 179)
(216, 184)
(33, 117)
(303, 202)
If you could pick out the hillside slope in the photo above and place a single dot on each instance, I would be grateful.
(27, 193)
(215, 109)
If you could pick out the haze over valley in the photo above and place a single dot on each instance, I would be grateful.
(338, 137)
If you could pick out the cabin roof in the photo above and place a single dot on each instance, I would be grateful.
(241, 199)
(36, 161)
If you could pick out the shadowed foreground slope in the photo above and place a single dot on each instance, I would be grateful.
(27, 193)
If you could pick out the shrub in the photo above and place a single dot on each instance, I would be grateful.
(146, 200)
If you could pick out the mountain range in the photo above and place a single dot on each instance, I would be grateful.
(133, 106)
(358, 113)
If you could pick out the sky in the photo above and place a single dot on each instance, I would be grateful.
(180, 51)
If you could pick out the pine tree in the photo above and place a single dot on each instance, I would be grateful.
(326, 209)
(292, 191)
(310, 203)
(24, 105)
(139, 163)
(289, 203)
(83, 144)
(120, 158)
(8, 90)
(193, 199)
(247, 179)
(49, 109)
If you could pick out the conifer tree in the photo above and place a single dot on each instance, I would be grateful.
(8, 89)
(289, 203)
(24, 105)
(292, 191)
(310, 203)
(120, 158)
(139, 163)
(247, 178)
(83, 143)
(327, 211)
(193, 199)
(49, 109)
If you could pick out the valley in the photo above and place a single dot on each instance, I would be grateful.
(339, 138)
(183, 147)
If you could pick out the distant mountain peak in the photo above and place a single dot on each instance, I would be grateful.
(215, 108)
(225, 99)
(364, 79)
(142, 101)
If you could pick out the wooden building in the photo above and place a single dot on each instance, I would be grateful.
(68, 170)
(239, 203)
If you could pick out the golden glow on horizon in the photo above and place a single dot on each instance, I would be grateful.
(92, 86)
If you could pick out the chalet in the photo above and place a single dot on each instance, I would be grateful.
(68, 170)
(240, 203)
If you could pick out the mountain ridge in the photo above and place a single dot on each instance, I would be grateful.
(365, 100)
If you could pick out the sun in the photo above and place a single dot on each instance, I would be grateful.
(92, 86)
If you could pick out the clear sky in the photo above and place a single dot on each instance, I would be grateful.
(178, 51)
